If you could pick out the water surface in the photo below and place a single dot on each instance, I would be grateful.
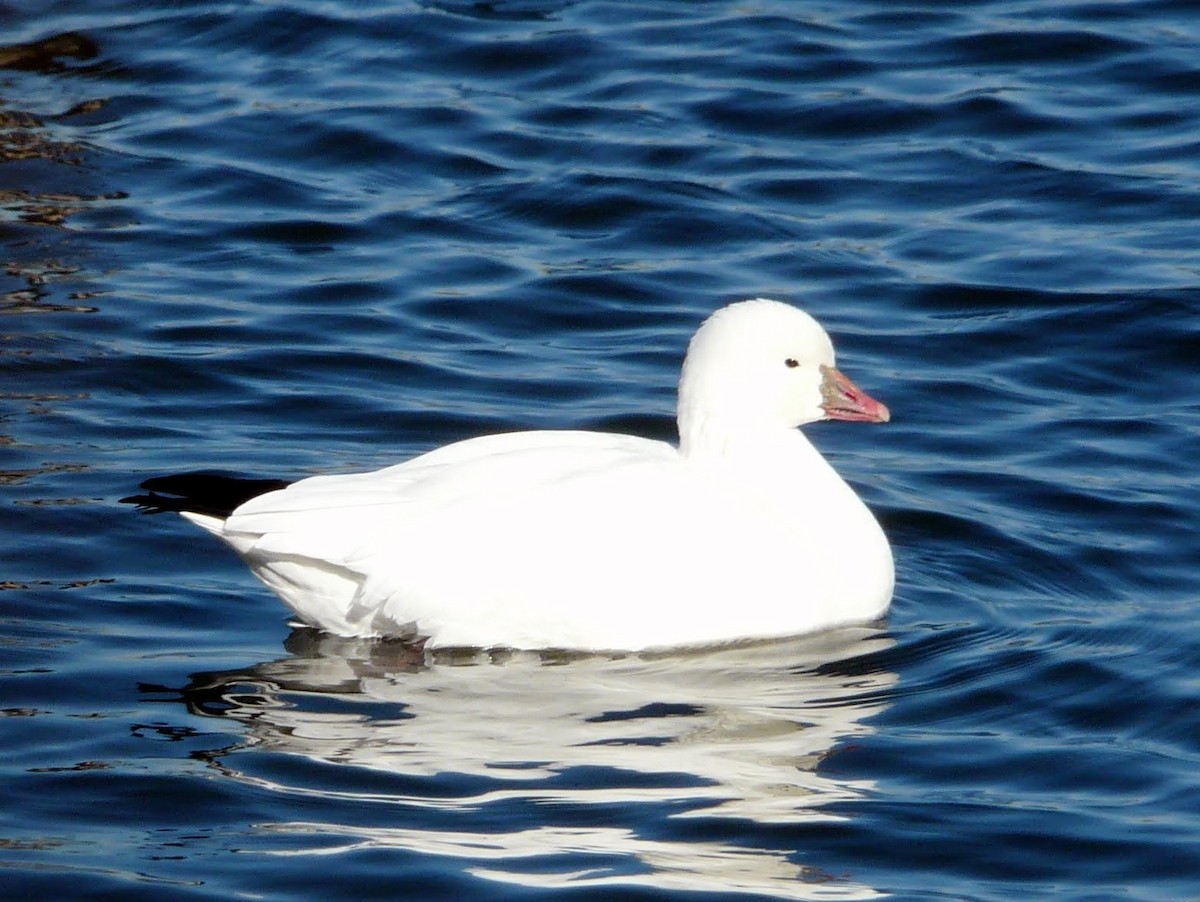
(304, 237)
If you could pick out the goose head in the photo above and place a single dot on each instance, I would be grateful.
(759, 367)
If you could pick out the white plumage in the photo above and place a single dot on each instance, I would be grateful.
(587, 540)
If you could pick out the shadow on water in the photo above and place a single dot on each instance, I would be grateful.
(38, 164)
(542, 769)
(45, 180)
(46, 55)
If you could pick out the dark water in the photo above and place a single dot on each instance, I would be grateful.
(298, 237)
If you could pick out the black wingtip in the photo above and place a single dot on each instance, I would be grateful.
(203, 492)
(152, 504)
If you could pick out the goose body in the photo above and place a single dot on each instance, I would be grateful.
(586, 540)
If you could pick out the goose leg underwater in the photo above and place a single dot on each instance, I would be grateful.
(587, 540)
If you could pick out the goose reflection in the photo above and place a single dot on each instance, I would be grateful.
(518, 744)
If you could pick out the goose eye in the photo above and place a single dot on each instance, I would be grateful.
(791, 363)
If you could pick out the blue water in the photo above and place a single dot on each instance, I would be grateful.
(284, 238)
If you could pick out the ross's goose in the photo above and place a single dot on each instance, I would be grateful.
(586, 540)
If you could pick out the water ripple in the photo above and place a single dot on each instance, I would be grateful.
(302, 237)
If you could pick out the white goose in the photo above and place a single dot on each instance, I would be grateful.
(585, 540)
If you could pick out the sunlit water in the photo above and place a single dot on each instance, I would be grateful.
(289, 238)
